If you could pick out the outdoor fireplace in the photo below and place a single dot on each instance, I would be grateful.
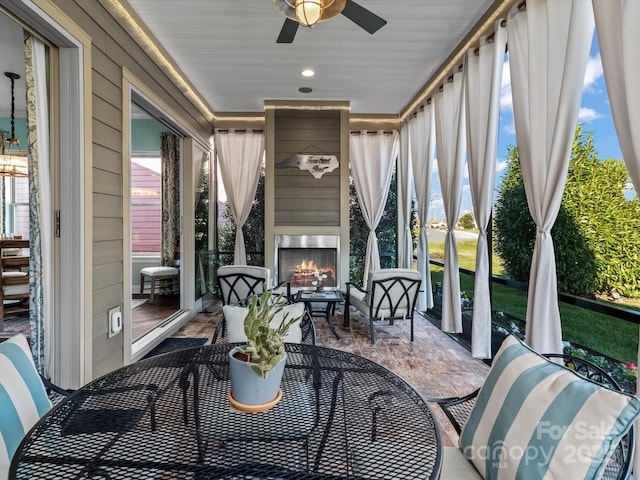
(301, 259)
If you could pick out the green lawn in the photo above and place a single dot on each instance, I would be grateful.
(610, 336)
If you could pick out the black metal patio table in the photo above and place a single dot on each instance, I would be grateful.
(340, 416)
(327, 298)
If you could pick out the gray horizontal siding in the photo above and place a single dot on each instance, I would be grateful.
(300, 198)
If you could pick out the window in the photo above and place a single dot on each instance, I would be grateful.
(146, 204)
(16, 196)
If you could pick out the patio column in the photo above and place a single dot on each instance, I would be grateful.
(619, 37)
(548, 51)
(452, 149)
(483, 77)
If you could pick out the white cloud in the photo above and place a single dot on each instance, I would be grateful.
(466, 188)
(501, 165)
(592, 75)
(510, 128)
(587, 114)
(593, 72)
(506, 102)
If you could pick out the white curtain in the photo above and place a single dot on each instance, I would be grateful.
(617, 23)
(548, 51)
(483, 77)
(619, 37)
(423, 149)
(451, 140)
(403, 181)
(240, 156)
(372, 155)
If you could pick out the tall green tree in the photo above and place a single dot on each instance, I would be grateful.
(467, 221)
(597, 249)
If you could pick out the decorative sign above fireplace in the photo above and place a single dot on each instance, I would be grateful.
(317, 165)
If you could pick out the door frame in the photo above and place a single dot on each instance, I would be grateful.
(133, 87)
(69, 342)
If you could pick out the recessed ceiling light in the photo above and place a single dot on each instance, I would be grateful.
(305, 89)
(308, 72)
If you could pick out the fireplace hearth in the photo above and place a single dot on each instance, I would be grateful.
(303, 260)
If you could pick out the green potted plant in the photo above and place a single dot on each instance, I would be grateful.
(256, 368)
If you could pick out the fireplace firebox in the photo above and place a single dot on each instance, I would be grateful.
(305, 259)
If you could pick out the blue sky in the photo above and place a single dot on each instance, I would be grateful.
(595, 114)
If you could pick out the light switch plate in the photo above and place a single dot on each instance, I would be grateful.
(114, 318)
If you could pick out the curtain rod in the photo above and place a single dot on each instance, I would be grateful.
(491, 37)
(476, 51)
(371, 132)
(237, 130)
(499, 13)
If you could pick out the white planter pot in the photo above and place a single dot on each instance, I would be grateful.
(248, 388)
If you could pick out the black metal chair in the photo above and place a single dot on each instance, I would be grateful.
(458, 409)
(391, 294)
(238, 283)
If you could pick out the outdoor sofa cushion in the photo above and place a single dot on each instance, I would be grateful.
(234, 317)
(23, 398)
(536, 419)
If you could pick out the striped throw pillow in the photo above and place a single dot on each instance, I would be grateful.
(536, 419)
(23, 398)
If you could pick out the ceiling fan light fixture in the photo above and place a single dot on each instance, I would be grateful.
(309, 12)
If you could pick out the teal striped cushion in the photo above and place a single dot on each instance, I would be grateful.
(23, 398)
(536, 419)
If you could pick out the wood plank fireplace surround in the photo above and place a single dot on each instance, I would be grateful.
(305, 215)
(302, 212)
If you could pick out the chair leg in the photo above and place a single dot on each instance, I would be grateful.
(412, 328)
(141, 285)
(345, 316)
(153, 290)
(372, 330)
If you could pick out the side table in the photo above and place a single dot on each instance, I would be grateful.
(328, 297)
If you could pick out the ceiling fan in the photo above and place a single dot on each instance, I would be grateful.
(310, 12)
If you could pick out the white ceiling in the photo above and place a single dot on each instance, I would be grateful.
(228, 51)
(11, 60)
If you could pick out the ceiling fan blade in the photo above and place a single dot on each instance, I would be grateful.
(288, 32)
(362, 17)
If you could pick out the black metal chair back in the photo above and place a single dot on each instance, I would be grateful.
(391, 294)
(238, 282)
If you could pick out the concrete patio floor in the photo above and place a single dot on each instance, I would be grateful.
(435, 364)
